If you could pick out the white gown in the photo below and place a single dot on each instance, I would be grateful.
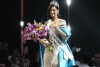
(62, 55)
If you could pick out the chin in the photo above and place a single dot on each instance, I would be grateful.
(52, 16)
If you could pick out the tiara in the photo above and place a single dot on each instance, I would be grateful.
(54, 2)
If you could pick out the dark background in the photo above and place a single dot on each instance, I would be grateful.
(84, 21)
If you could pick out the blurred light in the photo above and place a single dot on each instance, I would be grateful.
(69, 27)
(21, 23)
(78, 49)
(68, 2)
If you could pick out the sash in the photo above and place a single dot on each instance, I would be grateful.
(57, 44)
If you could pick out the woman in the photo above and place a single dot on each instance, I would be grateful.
(61, 56)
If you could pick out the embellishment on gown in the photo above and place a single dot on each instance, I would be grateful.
(62, 25)
(49, 47)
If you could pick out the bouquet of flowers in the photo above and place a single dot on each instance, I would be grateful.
(34, 31)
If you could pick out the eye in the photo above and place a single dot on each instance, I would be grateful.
(53, 10)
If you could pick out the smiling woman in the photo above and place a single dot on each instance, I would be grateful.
(84, 21)
(61, 54)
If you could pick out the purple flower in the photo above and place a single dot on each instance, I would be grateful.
(30, 32)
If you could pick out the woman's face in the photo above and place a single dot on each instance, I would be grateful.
(54, 12)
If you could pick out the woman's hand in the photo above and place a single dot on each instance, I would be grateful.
(44, 41)
(53, 25)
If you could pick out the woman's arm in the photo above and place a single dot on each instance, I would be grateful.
(62, 30)
(43, 41)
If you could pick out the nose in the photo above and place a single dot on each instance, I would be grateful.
(51, 11)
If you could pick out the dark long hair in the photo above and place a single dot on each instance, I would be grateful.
(48, 11)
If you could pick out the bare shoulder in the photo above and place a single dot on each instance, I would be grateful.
(62, 23)
(46, 22)
(62, 20)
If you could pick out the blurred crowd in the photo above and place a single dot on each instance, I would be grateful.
(86, 59)
(83, 59)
